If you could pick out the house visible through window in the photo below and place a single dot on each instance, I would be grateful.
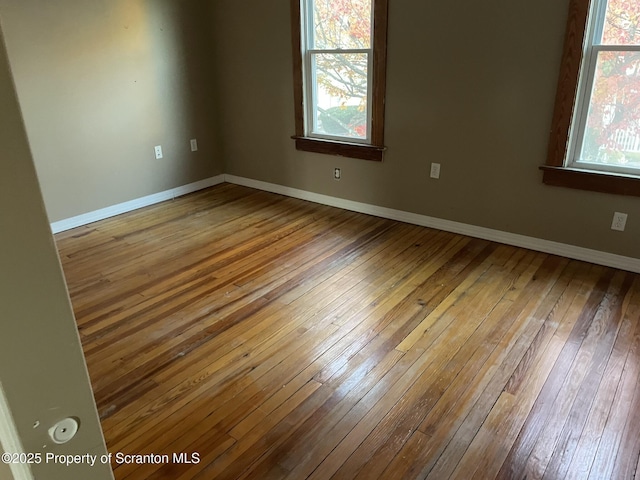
(595, 134)
(339, 73)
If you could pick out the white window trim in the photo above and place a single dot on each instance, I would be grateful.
(309, 86)
(591, 48)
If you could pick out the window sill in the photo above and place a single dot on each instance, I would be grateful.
(593, 180)
(343, 149)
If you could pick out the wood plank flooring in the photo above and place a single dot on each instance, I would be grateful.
(277, 338)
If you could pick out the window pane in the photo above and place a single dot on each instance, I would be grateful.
(621, 23)
(341, 90)
(612, 133)
(341, 24)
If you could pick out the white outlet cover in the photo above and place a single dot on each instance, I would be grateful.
(158, 151)
(194, 145)
(619, 221)
(435, 170)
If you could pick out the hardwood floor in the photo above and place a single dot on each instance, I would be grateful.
(277, 338)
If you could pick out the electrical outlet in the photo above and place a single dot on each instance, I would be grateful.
(158, 150)
(435, 170)
(194, 145)
(619, 221)
(337, 173)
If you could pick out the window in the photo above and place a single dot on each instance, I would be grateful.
(595, 140)
(339, 76)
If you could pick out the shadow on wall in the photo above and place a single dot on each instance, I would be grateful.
(253, 59)
(100, 84)
(183, 73)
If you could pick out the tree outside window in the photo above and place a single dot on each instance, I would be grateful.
(612, 124)
(339, 76)
(341, 79)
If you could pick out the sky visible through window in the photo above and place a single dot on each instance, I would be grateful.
(341, 79)
(612, 130)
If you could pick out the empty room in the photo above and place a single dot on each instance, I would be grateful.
(348, 239)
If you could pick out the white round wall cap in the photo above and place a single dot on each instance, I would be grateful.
(64, 430)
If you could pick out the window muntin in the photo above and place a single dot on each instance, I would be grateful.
(606, 131)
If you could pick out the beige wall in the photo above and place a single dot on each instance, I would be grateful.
(102, 82)
(42, 369)
(470, 86)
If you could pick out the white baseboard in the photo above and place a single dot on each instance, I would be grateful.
(571, 251)
(114, 210)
